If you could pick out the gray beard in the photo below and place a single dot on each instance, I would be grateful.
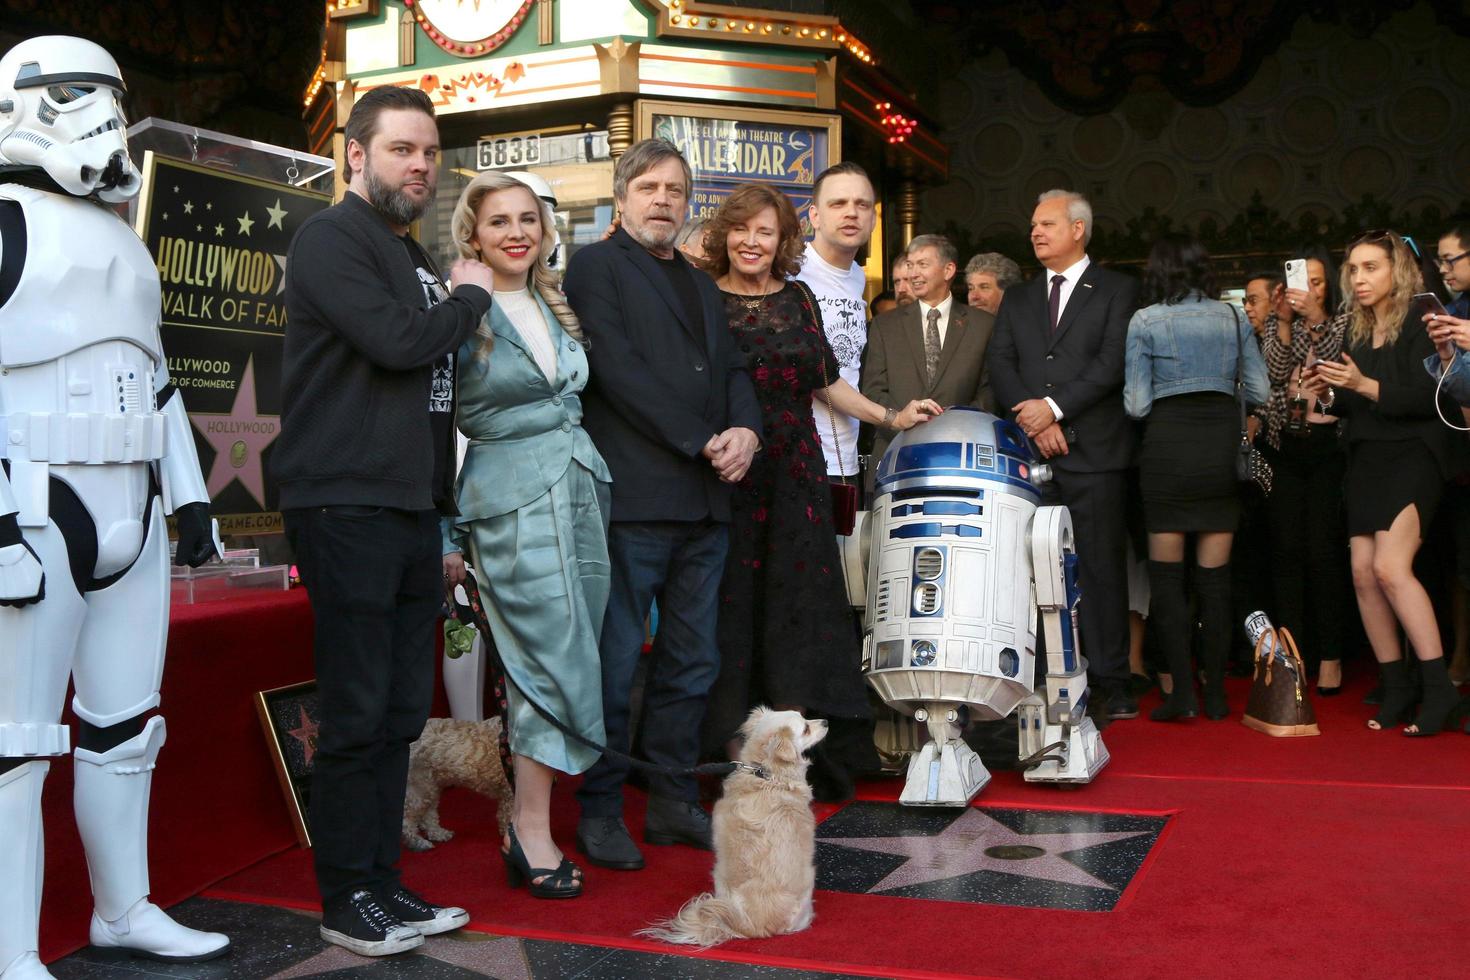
(391, 202)
(651, 240)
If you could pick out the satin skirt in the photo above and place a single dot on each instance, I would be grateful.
(544, 576)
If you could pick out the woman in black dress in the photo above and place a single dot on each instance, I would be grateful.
(1185, 349)
(787, 634)
(1397, 461)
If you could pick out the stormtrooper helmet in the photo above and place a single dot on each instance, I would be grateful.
(543, 190)
(61, 112)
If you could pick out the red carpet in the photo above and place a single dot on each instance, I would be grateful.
(1343, 855)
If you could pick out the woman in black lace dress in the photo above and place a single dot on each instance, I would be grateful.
(787, 635)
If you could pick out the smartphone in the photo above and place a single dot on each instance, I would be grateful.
(1296, 274)
(1422, 304)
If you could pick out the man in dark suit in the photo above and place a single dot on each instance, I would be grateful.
(1057, 364)
(675, 416)
(932, 348)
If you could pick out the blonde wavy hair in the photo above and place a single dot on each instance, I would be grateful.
(545, 282)
(1406, 280)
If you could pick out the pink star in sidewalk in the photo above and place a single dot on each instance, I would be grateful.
(238, 439)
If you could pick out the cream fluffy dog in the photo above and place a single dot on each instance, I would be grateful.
(452, 753)
(764, 836)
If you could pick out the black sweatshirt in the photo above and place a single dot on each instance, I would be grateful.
(360, 345)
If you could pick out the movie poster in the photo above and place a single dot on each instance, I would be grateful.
(725, 153)
(220, 243)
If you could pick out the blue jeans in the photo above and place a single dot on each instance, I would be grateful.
(680, 564)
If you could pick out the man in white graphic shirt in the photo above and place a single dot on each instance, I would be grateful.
(842, 214)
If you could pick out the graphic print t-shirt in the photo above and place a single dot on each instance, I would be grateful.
(441, 388)
(839, 293)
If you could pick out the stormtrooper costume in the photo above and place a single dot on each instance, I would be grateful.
(96, 448)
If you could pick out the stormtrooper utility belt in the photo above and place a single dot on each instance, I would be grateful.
(33, 442)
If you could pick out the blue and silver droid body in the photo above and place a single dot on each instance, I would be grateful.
(962, 556)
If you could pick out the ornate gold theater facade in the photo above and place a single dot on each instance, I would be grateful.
(562, 87)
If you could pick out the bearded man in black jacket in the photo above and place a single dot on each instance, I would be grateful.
(365, 464)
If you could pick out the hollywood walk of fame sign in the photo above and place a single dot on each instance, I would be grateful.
(220, 242)
(996, 856)
(289, 717)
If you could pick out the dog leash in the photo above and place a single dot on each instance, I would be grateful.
(482, 623)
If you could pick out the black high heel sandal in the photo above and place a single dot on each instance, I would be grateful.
(558, 882)
(1398, 697)
(1442, 706)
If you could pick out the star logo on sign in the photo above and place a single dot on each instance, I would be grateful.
(977, 842)
(305, 733)
(277, 213)
(219, 231)
(245, 223)
(238, 439)
(188, 207)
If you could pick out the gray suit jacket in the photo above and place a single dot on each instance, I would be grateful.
(893, 365)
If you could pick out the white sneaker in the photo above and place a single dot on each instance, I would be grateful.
(146, 930)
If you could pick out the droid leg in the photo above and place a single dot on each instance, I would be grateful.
(36, 645)
(1058, 742)
(117, 674)
(946, 771)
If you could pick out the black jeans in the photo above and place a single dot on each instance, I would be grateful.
(374, 576)
(1309, 551)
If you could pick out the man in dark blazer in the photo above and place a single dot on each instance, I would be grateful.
(896, 366)
(1057, 364)
(673, 412)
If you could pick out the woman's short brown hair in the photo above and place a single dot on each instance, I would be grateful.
(744, 203)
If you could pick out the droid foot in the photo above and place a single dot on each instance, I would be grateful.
(944, 775)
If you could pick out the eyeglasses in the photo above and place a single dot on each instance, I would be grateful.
(1444, 262)
(1383, 236)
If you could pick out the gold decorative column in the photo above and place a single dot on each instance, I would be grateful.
(908, 209)
(619, 129)
(546, 33)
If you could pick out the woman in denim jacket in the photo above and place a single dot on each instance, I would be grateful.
(1180, 371)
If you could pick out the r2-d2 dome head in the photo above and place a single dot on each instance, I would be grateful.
(543, 190)
(61, 112)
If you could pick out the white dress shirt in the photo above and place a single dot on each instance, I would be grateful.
(943, 308)
(1071, 275)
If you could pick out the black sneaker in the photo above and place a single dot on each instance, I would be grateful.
(365, 927)
(429, 920)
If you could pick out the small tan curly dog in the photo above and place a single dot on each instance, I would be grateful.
(764, 836)
(452, 753)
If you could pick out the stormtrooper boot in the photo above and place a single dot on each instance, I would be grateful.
(20, 872)
(112, 816)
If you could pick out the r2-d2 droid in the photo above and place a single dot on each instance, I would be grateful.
(961, 560)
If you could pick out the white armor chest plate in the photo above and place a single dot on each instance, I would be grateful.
(87, 278)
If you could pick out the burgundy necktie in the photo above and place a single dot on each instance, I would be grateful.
(1054, 304)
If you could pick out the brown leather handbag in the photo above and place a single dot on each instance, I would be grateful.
(1278, 702)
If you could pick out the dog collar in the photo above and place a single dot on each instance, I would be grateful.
(753, 769)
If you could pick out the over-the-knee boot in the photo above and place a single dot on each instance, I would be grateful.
(20, 871)
(111, 801)
(1213, 587)
(1168, 621)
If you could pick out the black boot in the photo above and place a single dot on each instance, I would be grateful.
(1169, 623)
(1213, 586)
(1441, 705)
(1398, 695)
